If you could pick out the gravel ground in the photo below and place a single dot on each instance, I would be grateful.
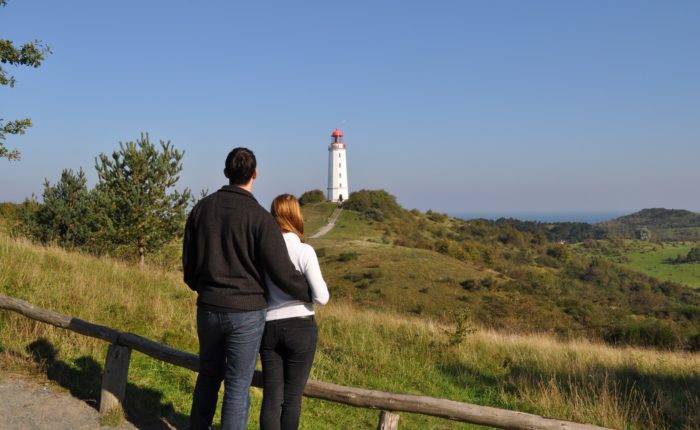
(26, 404)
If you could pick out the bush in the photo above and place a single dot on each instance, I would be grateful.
(693, 256)
(646, 332)
(347, 256)
(313, 196)
(436, 216)
(374, 204)
(469, 284)
(558, 252)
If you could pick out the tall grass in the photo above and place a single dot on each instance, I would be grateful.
(578, 380)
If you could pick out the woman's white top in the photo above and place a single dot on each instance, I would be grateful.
(281, 305)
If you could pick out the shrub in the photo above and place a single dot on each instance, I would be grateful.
(462, 327)
(417, 309)
(646, 332)
(693, 256)
(374, 204)
(347, 256)
(487, 282)
(436, 216)
(558, 252)
(313, 196)
(469, 284)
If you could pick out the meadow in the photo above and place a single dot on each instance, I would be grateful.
(652, 258)
(363, 346)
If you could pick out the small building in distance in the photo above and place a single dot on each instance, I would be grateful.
(337, 169)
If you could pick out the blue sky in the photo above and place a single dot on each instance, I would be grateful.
(457, 106)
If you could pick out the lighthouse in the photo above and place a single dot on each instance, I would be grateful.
(337, 169)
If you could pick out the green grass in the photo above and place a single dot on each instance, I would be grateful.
(653, 259)
(351, 226)
(371, 348)
(316, 216)
(380, 276)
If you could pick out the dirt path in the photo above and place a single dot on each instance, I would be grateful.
(331, 223)
(29, 404)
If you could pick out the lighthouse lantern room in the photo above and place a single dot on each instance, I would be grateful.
(337, 169)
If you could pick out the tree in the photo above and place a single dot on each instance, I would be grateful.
(29, 54)
(313, 196)
(69, 215)
(643, 233)
(136, 189)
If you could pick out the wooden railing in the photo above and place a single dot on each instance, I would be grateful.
(116, 371)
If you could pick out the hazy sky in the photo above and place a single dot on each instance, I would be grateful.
(459, 106)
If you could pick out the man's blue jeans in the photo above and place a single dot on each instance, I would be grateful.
(228, 348)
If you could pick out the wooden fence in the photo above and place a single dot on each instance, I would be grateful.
(116, 371)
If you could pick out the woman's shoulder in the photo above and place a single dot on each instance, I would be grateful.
(307, 248)
(307, 251)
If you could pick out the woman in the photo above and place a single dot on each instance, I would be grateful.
(289, 342)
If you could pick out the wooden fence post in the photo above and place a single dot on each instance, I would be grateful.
(114, 377)
(388, 421)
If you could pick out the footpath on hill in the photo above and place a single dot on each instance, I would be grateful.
(28, 404)
(331, 223)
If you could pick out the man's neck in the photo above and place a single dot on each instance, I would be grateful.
(248, 187)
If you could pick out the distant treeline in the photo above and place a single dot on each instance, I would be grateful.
(569, 232)
(659, 224)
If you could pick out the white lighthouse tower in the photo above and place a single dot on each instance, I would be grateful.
(337, 169)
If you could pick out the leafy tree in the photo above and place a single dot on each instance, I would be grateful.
(136, 188)
(313, 196)
(30, 54)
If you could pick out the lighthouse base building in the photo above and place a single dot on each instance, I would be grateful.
(337, 169)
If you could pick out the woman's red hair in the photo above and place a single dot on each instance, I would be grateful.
(287, 212)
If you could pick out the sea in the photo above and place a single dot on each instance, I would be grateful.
(587, 217)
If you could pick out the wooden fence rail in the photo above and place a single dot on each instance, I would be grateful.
(117, 366)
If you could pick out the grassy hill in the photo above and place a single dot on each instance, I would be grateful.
(505, 275)
(664, 224)
(497, 275)
(374, 348)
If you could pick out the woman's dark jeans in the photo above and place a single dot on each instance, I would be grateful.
(228, 347)
(287, 353)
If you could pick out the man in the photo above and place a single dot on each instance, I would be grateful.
(230, 243)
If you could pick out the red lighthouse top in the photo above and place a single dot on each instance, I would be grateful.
(337, 136)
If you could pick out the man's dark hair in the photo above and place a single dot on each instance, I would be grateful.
(240, 166)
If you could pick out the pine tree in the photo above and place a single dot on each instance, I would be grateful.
(69, 215)
(136, 189)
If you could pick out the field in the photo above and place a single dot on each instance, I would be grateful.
(361, 345)
(653, 258)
